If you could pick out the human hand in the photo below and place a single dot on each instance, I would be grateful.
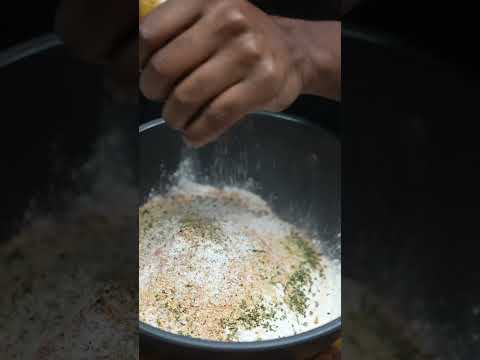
(214, 61)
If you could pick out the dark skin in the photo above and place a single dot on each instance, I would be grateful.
(213, 61)
(210, 61)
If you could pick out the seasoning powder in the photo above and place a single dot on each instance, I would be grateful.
(218, 264)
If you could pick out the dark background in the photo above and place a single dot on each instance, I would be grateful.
(20, 22)
(422, 23)
(411, 174)
(444, 27)
(423, 28)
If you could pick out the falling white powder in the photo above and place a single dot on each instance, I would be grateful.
(218, 264)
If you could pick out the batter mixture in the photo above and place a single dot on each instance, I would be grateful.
(218, 264)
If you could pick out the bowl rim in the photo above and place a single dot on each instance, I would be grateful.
(50, 40)
(279, 115)
(323, 331)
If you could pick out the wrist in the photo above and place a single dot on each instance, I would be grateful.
(316, 50)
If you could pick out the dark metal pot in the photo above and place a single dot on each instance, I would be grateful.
(402, 150)
(411, 194)
(293, 163)
(56, 109)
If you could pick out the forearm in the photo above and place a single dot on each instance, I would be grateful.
(316, 47)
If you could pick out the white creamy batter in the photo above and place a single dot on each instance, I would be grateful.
(218, 264)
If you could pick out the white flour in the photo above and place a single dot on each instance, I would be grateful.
(218, 264)
(64, 288)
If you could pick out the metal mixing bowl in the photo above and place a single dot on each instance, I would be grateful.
(292, 163)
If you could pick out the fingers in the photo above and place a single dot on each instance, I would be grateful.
(164, 23)
(223, 113)
(214, 61)
(196, 45)
(224, 70)
(166, 67)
